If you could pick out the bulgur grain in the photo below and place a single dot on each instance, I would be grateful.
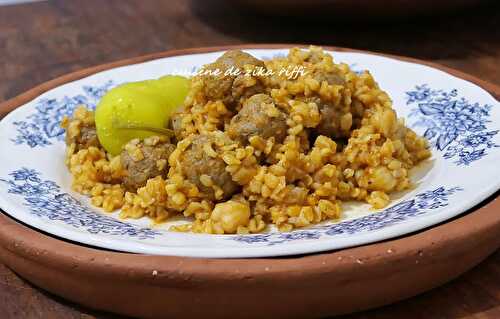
(343, 141)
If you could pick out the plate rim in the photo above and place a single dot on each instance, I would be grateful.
(29, 95)
(417, 262)
(22, 98)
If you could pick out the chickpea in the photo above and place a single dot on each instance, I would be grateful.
(378, 199)
(230, 215)
(382, 180)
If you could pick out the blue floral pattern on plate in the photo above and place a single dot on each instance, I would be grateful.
(43, 126)
(452, 124)
(45, 199)
(420, 204)
(462, 126)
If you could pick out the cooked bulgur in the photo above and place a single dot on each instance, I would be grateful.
(254, 150)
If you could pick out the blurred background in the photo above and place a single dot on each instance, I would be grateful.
(44, 39)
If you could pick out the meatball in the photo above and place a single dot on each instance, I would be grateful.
(238, 59)
(335, 123)
(195, 162)
(87, 138)
(229, 88)
(258, 117)
(176, 124)
(331, 78)
(80, 129)
(144, 160)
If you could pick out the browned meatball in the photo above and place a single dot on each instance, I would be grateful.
(331, 116)
(255, 118)
(229, 88)
(87, 138)
(195, 162)
(176, 124)
(238, 59)
(80, 129)
(336, 123)
(143, 162)
(331, 78)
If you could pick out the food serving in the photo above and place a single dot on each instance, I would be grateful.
(243, 145)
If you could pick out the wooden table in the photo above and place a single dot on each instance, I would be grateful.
(43, 40)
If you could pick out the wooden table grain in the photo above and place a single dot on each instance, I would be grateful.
(42, 40)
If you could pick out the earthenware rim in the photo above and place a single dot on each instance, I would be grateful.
(24, 241)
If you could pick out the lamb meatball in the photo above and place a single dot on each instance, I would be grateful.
(335, 120)
(331, 78)
(80, 129)
(195, 162)
(229, 88)
(144, 160)
(176, 124)
(335, 123)
(238, 59)
(87, 138)
(258, 117)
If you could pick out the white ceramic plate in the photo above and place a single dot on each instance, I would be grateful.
(460, 119)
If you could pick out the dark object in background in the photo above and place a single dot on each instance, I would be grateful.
(353, 9)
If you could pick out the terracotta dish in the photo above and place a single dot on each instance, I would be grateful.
(308, 286)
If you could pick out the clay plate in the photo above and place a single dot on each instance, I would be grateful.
(460, 119)
(301, 287)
